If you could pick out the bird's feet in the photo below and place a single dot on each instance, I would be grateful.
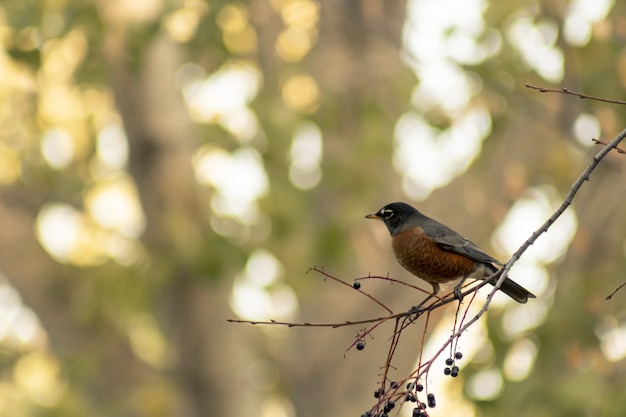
(416, 310)
(457, 293)
(458, 290)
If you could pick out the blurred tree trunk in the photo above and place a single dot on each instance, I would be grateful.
(209, 352)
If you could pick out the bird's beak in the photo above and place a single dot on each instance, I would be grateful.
(373, 216)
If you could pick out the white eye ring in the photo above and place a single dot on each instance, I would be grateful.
(386, 213)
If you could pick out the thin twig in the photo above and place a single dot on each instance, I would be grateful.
(599, 142)
(574, 93)
(307, 324)
(321, 271)
(615, 291)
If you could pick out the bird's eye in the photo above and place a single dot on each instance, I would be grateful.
(386, 213)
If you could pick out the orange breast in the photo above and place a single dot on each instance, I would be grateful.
(422, 257)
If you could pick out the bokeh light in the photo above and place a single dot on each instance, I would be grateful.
(259, 292)
(429, 158)
(586, 127)
(536, 43)
(224, 97)
(306, 156)
(57, 148)
(581, 16)
(485, 385)
(301, 93)
(520, 359)
(115, 205)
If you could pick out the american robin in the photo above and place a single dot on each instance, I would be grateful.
(437, 254)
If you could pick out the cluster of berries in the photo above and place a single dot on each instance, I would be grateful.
(412, 389)
(451, 369)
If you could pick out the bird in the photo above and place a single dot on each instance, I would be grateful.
(437, 254)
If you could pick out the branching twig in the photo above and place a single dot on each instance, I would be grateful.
(544, 227)
(599, 142)
(321, 271)
(388, 395)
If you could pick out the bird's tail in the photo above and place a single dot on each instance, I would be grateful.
(512, 289)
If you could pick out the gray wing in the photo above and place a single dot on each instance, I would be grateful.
(450, 240)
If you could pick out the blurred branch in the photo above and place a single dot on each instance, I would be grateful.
(615, 291)
(574, 93)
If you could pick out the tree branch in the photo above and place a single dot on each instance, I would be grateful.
(390, 392)
(574, 93)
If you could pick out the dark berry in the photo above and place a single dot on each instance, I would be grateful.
(458, 355)
(446, 371)
(420, 388)
(416, 412)
(431, 400)
(378, 392)
(391, 404)
(356, 285)
(423, 406)
(360, 345)
(394, 385)
(384, 414)
(449, 361)
(454, 372)
(410, 386)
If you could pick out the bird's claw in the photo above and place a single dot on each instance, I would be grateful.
(415, 310)
(457, 293)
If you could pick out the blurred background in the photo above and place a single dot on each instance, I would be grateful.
(168, 164)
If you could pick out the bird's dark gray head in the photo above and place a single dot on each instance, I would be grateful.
(397, 217)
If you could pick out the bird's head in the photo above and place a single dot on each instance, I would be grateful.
(397, 217)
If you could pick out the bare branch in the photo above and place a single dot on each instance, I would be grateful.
(574, 93)
(391, 392)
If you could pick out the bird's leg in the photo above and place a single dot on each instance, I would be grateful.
(458, 288)
(416, 309)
